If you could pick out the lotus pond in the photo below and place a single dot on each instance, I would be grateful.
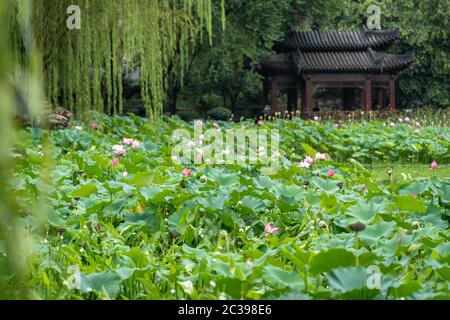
(110, 218)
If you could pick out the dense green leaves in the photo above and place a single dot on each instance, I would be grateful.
(106, 282)
(334, 258)
(227, 231)
(85, 190)
(409, 204)
(281, 278)
(364, 212)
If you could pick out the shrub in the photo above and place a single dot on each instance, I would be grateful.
(208, 102)
(187, 115)
(221, 114)
(135, 106)
(253, 111)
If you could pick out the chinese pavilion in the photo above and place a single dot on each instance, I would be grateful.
(337, 59)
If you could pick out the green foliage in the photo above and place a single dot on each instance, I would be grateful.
(142, 230)
(187, 115)
(226, 68)
(208, 102)
(156, 234)
(219, 114)
(372, 142)
(15, 242)
(425, 28)
(115, 37)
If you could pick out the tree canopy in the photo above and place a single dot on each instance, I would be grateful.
(182, 53)
(84, 68)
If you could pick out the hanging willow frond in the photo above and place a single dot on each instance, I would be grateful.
(84, 68)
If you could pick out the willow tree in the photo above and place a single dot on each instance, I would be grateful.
(15, 75)
(84, 68)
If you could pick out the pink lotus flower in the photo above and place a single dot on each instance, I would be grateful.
(434, 165)
(115, 162)
(309, 160)
(93, 125)
(119, 150)
(131, 142)
(270, 230)
(187, 173)
(79, 129)
(337, 125)
(331, 173)
(199, 123)
(260, 123)
(321, 156)
(125, 174)
(305, 164)
(135, 144)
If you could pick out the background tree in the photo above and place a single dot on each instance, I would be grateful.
(225, 68)
(84, 69)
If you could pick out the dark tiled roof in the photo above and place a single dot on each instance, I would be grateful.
(351, 61)
(337, 61)
(281, 62)
(337, 40)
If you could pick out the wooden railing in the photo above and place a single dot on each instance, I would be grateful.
(347, 115)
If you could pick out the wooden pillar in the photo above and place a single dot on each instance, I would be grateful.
(309, 94)
(362, 99)
(368, 93)
(274, 95)
(380, 99)
(392, 98)
(303, 97)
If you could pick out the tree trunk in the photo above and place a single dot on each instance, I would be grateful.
(233, 104)
(175, 91)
